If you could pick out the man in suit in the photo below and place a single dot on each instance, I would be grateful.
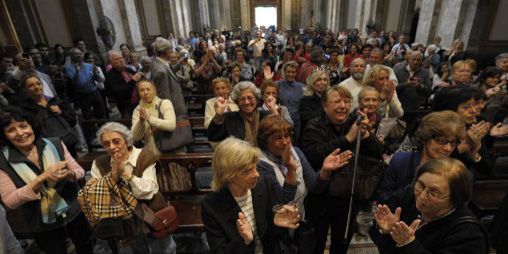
(166, 81)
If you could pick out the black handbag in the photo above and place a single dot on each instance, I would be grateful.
(368, 176)
(180, 137)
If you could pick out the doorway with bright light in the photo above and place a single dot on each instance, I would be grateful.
(266, 16)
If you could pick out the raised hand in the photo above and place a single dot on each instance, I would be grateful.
(55, 109)
(499, 130)
(57, 172)
(336, 160)
(287, 217)
(287, 157)
(358, 126)
(244, 229)
(220, 106)
(267, 72)
(402, 233)
(385, 219)
(271, 103)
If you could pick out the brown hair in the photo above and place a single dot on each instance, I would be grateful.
(456, 175)
(440, 124)
(343, 92)
(270, 125)
(268, 83)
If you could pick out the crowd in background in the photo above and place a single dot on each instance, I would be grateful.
(294, 98)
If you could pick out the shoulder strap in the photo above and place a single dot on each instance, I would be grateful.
(473, 220)
(145, 159)
(159, 112)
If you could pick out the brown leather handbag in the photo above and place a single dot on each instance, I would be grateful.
(166, 221)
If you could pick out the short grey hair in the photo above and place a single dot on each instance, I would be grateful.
(116, 127)
(244, 85)
(113, 52)
(501, 56)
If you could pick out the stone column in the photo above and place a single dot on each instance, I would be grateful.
(225, 15)
(286, 14)
(305, 14)
(131, 24)
(214, 14)
(448, 21)
(333, 15)
(245, 11)
(427, 21)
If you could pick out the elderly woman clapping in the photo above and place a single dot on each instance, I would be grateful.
(238, 216)
(431, 215)
(131, 170)
(152, 117)
(242, 124)
(292, 174)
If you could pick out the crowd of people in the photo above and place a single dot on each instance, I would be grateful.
(291, 116)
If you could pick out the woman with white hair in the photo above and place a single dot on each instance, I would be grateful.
(238, 215)
(241, 124)
(132, 170)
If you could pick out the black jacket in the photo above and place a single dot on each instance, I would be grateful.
(232, 125)
(310, 107)
(321, 137)
(117, 88)
(443, 235)
(67, 189)
(52, 124)
(219, 212)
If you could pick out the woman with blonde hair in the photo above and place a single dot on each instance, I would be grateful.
(238, 216)
(221, 87)
(379, 77)
(152, 117)
(310, 105)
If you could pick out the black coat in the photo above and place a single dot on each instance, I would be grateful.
(117, 88)
(219, 212)
(233, 125)
(443, 235)
(52, 124)
(321, 137)
(310, 107)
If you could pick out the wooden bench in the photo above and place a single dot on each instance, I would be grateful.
(488, 195)
(187, 202)
(200, 143)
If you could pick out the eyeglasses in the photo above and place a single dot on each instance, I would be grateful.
(444, 141)
(247, 98)
(420, 187)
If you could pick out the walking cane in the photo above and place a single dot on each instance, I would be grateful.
(357, 154)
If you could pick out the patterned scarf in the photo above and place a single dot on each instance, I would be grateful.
(52, 204)
(251, 127)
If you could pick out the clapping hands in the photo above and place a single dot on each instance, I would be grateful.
(336, 160)
(220, 106)
(389, 222)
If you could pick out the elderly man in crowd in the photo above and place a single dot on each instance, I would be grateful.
(354, 83)
(82, 76)
(120, 82)
(415, 85)
(165, 79)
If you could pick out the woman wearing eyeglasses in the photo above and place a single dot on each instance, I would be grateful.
(242, 124)
(332, 129)
(431, 216)
(437, 136)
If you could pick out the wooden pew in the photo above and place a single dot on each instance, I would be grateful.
(488, 195)
(187, 202)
